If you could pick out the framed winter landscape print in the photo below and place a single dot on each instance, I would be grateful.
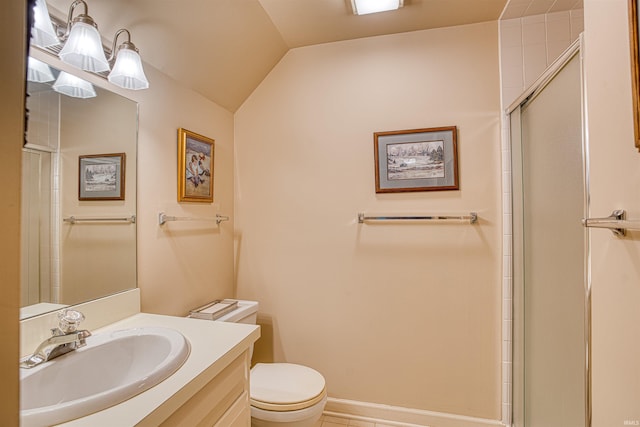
(195, 167)
(101, 177)
(416, 160)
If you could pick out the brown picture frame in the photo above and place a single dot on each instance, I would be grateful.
(195, 167)
(635, 67)
(101, 176)
(416, 160)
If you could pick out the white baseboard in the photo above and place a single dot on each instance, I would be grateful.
(401, 417)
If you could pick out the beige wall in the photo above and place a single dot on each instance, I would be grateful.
(180, 265)
(423, 333)
(529, 44)
(183, 264)
(97, 259)
(12, 48)
(614, 179)
(405, 314)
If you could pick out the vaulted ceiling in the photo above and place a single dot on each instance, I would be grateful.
(223, 49)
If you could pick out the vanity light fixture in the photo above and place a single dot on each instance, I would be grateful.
(127, 70)
(38, 71)
(43, 33)
(73, 86)
(82, 48)
(82, 43)
(363, 7)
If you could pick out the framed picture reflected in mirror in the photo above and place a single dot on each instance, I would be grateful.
(101, 177)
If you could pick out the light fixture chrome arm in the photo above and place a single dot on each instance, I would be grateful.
(82, 42)
(127, 71)
(127, 44)
(83, 17)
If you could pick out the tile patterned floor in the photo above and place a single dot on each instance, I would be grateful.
(327, 421)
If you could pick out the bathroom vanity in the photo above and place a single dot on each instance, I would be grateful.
(210, 388)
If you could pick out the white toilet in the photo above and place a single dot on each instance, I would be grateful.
(282, 394)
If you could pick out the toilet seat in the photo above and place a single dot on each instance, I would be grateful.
(285, 387)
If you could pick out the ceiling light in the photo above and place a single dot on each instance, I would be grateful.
(73, 86)
(83, 47)
(42, 33)
(38, 71)
(127, 71)
(363, 7)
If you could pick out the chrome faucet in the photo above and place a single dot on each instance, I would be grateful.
(65, 338)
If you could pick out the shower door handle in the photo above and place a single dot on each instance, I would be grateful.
(616, 222)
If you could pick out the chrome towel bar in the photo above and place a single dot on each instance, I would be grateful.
(162, 218)
(73, 219)
(472, 218)
(616, 222)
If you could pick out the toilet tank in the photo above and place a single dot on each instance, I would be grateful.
(246, 312)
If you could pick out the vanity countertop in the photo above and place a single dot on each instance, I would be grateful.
(213, 346)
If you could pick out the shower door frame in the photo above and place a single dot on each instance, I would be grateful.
(516, 396)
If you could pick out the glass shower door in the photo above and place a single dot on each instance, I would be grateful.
(549, 255)
(36, 227)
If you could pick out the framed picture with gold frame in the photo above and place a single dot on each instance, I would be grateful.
(635, 67)
(195, 167)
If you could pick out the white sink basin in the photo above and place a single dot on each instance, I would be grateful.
(111, 368)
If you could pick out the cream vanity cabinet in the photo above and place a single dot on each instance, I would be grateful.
(210, 389)
(223, 401)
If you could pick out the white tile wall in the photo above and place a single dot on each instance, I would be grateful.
(558, 38)
(577, 23)
(44, 130)
(55, 230)
(533, 30)
(528, 45)
(520, 8)
(539, 7)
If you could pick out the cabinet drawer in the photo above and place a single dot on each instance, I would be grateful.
(238, 415)
(210, 404)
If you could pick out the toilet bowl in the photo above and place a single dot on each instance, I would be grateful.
(281, 394)
(285, 394)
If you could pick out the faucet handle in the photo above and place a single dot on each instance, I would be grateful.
(69, 320)
(82, 338)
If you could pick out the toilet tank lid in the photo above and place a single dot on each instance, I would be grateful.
(285, 383)
(243, 309)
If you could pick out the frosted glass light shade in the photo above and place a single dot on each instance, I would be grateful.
(38, 71)
(73, 86)
(83, 49)
(127, 71)
(42, 33)
(363, 7)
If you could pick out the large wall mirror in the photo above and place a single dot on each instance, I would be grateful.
(78, 191)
